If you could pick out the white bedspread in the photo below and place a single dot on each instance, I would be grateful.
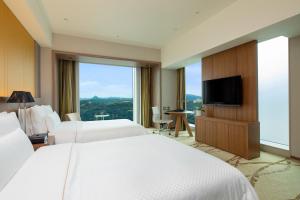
(135, 168)
(81, 131)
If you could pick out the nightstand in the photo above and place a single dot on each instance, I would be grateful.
(36, 146)
(41, 140)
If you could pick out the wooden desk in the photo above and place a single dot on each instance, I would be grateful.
(181, 115)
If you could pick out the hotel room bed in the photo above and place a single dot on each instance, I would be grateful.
(133, 168)
(42, 119)
(89, 131)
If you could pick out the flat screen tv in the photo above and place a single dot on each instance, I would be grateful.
(223, 91)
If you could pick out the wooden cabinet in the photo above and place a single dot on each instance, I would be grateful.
(210, 133)
(222, 136)
(237, 137)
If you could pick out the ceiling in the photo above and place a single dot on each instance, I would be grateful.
(149, 23)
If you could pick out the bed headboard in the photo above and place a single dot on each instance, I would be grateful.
(12, 107)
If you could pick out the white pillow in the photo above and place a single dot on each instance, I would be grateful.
(38, 116)
(15, 149)
(52, 121)
(22, 119)
(47, 108)
(3, 114)
(8, 123)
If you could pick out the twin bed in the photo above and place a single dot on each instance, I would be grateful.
(42, 119)
(138, 167)
(89, 131)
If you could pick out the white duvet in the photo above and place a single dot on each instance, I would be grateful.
(135, 168)
(88, 131)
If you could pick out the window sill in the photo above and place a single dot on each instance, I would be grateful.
(276, 145)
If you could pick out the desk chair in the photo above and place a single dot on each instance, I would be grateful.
(73, 117)
(162, 123)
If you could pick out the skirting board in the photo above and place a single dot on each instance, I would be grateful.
(274, 150)
(295, 157)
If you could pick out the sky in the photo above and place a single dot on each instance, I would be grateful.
(105, 81)
(193, 79)
(273, 90)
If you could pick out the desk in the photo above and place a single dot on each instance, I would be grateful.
(101, 116)
(181, 115)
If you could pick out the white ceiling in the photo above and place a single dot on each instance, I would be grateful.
(149, 23)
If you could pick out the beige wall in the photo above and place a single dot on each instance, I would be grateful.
(32, 17)
(46, 76)
(85, 46)
(168, 88)
(156, 88)
(17, 55)
(156, 85)
(294, 64)
(235, 22)
(103, 48)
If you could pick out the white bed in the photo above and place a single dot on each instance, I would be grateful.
(81, 132)
(143, 167)
(42, 119)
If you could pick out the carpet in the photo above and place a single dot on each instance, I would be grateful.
(273, 177)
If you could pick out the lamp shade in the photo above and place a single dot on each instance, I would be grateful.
(20, 97)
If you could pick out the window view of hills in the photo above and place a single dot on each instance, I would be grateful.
(115, 107)
(122, 108)
(193, 102)
(100, 94)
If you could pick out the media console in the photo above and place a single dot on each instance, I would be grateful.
(237, 137)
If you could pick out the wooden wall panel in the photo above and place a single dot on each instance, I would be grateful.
(224, 64)
(235, 129)
(207, 68)
(207, 73)
(247, 67)
(240, 60)
(17, 55)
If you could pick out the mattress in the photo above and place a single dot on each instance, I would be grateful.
(143, 167)
(88, 131)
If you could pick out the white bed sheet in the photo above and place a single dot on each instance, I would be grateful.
(88, 131)
(42, 177)
(144, 167)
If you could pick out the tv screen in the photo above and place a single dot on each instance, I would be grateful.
(223, 91)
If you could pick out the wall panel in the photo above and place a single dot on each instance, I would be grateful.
(247, 68)
(240, 60)
(17, 55)
(232, 128)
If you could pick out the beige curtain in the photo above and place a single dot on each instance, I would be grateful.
(67, 87)
(181, 91)
(146, 96)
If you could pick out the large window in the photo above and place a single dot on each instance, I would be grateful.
(273, 91)
(193, 89)
(106, 92)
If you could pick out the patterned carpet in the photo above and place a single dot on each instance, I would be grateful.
(273, 177)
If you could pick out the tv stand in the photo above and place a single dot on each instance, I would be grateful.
(237, 137)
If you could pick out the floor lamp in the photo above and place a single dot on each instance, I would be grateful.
(21, 97)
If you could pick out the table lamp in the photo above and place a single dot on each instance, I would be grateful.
(21, 97)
